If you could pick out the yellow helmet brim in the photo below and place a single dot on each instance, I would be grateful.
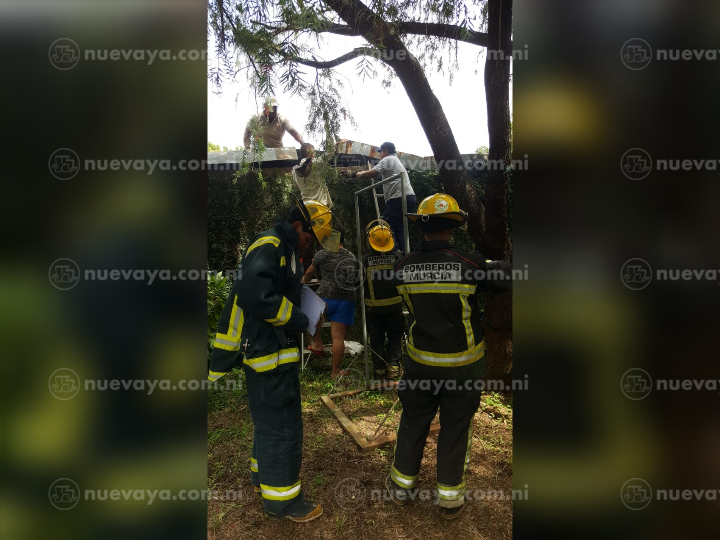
(329, 238)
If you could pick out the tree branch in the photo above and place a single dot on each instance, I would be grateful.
(360, 51)
(448, 31)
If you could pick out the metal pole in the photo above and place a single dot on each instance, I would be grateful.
(377, 206)
(378, 184)
(362, 291)
(404, 216)
(386, 417)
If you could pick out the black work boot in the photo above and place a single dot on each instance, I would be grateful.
(451, 513)
(398, 495)
(393, 373)
(307, 511)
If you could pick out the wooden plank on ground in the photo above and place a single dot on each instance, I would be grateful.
(345, 422)
(353, 431)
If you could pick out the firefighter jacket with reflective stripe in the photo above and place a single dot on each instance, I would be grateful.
(440, 285)
(262, 315)
(381, 296)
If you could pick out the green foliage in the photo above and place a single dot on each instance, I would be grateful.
(216, 148)
(257, 148)
(233, 400)
(224, 222)
(218, 289)
(243, 206)
(268, 40)
(240, 207)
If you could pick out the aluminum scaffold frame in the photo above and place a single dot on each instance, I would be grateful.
(347, 425)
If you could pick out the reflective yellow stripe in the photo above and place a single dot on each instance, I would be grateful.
(283, 314)
(215, 375)
(223, 341)
(447, 360)
(271, 361)
(288, 357)
(451, 493)
(464, 300)
(238, 330)
(262, 241)
(442, 288)
(253, 465)
(231, 340)
(280, 493)
(385, 302)
(233, 315)
(237, 317)
(464, 291)
(402, 479)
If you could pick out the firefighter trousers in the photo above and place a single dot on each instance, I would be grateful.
(381, 325)
(274, 400)
(421, 400)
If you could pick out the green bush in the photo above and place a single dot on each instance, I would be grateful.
(238, 208)
(218, 289)
(246, 203)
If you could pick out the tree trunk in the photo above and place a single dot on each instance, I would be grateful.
(497, 245)
(493, 240)
(442, 141)
(427, 107)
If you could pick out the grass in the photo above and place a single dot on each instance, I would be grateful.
(330, 457)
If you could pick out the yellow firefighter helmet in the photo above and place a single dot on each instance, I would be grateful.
(320, 220)
(439, 205)
(380, 236)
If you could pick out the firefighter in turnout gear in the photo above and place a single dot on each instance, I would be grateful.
(383, 304)
(446, 352)
(260, 324)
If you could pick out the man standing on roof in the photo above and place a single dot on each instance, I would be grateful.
(261, 321)
(440, 284)
(270, 126)
(383, 303)
(390, 165)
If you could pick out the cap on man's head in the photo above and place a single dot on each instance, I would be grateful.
(390, 147)
(271, 102)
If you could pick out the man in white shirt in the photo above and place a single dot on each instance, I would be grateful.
(390, 165)
(270, 126)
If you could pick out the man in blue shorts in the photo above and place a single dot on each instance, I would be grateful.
(338, 286)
